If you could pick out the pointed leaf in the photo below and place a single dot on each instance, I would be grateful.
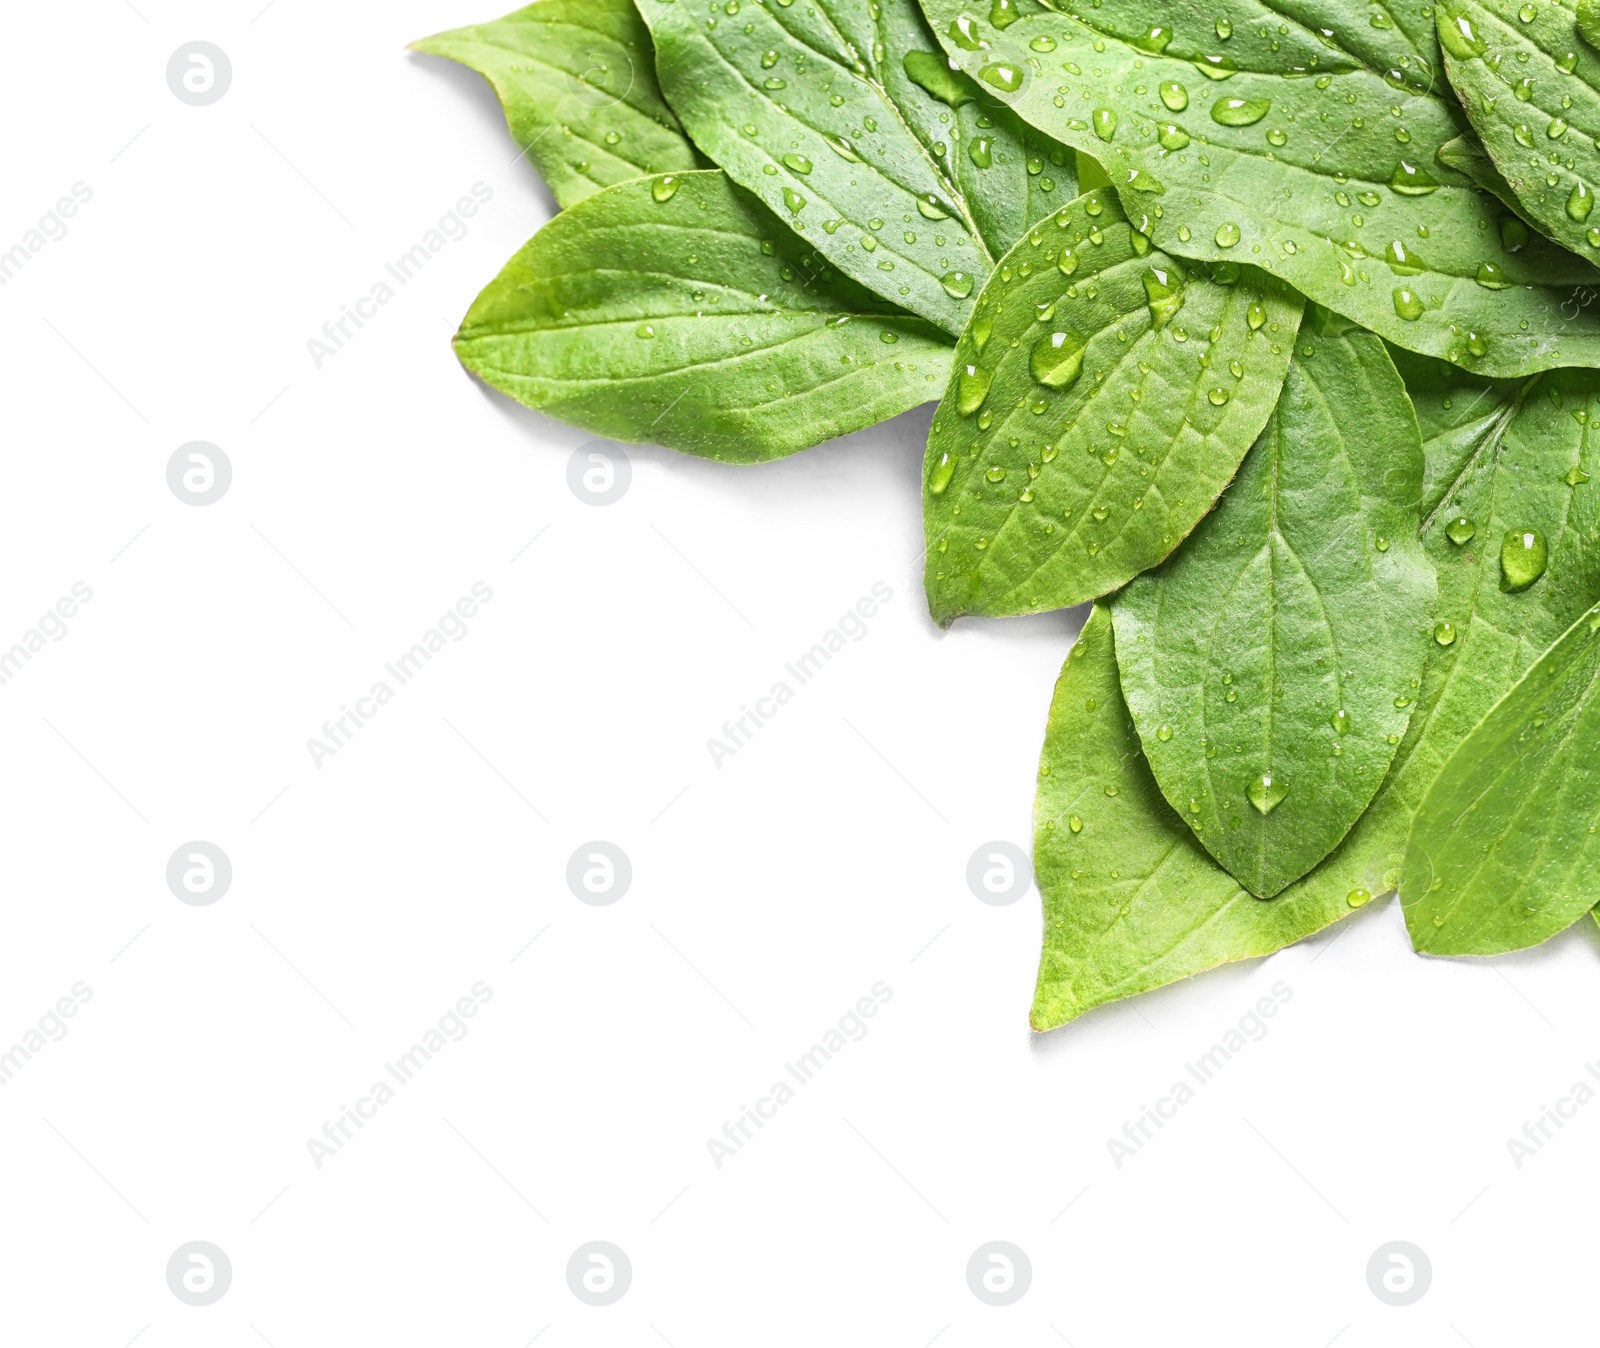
(577, 80)
(677, 310)
(1294, 162)
(823, 110)
(1132, 901)
(1531, 84)
(1503, 853)
(1103, 395)
(1271, 665)
(1507, 459)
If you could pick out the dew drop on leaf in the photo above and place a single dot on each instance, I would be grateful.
(665, 187)
(1444, 633)
(1265, 794)
(957, 284)
(1460, 530)
(1524, 556)
(1227, 234)
(1174, 95)
(1240, 111)
(1057, 359)
(972, 387)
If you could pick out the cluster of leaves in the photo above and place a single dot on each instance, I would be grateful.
(1268, 328)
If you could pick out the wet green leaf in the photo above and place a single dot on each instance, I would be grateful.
(1272, 663)
(1103, 396)
(676, 310)
(1506, 460)
(1505, 851)
(846, 119)
(577, 81)
(1335, 187)
(1531, 86)
(1132, 901)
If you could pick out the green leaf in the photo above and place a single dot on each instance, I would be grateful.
(1132, 902)
(1466, 155)
(675, 309)
(1512, 459)
(1311, 157)
(1503, 852)
(1271, 665)
(1530, 85)
(1493, 451)
(577, 81)
(824, 111)
(1103, 396)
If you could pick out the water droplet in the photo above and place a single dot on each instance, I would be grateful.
(1411, 181)
(996, 474)
(1527, 13)
(1003, 13)
(1174, 95)
(1171, 136)
(1217, 397)
(1557, 129)
(1164, 733)
(1227, 235)
(972, 387)
(1524, 556)
(1163, 292)
(980, 149)
(1067, 262)
(665, 187)
(957, 284)
(1491, 276)
(1255, 316)
(1402, 261)
(943, 470)
(1044, 43)
(964, 33)
(644, 330)
(1408, 304)
(1239, 111)
(1381, 543)
(1444, 633)
(1002, 75)
(1155, 40)
(1341, 722)
(1105, 122)
(1574, 476)
(1075, 824)
(1224, 29)
(1277, 137)
(1458, 33)
(1357, 898)
(1265, 794)
(1581, 202)
(1057, 359)
(841, 147)
(793, 200)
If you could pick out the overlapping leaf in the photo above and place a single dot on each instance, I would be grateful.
(824, 111)
(1505, 849)
(1271, 665)
(1300, 139)
(1103, 396)
(1531, 86)
(675, 309)
(577, 81)
(1509, 478)
(1132, 901)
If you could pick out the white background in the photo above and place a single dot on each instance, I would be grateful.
(768, 894)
